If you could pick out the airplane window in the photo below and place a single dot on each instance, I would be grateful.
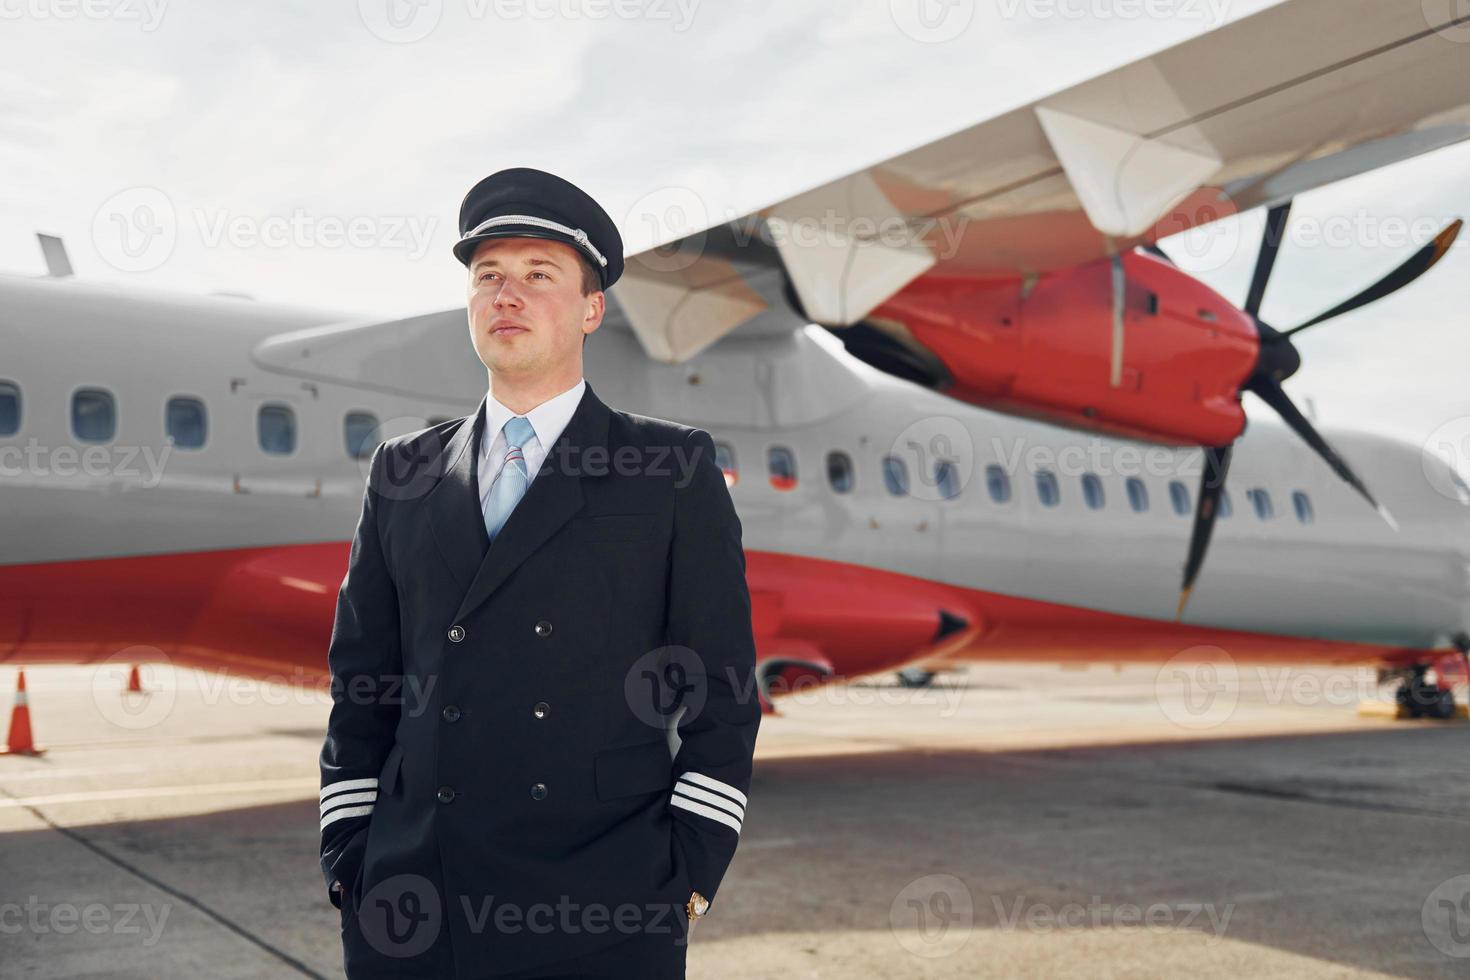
(1179, 497)
(360, 428)
(1261, 500)
(946, 479)
(839, 471)
(725, 457)
(275, 426)
(9, 408)
(1137, 494)
(93, 415)
(1226, 509)
(1303, 505)
(895, 476)
(1047, 488)
(185, 422)
(998, 481)
(782, 467)
(1092, 491)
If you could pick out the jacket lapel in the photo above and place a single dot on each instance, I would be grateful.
(554, 496)
(454, 514)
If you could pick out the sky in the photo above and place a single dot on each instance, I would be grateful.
(316, 152)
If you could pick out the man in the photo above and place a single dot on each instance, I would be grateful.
(539, 750)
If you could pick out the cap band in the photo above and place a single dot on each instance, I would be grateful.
(526, 219)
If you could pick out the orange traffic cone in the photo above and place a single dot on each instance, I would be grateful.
(20, 741)
(135, 682)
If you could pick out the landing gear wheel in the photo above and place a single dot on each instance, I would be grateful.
(915, 677)
(1422, 699)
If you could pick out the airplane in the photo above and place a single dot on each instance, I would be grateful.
(994, 435)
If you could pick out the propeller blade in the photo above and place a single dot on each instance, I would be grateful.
(1274, 395)
(1206, 509)
(1418, 264)
(1266, 258)
(1158, 253)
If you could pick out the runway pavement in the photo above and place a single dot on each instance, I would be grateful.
(1012, 821)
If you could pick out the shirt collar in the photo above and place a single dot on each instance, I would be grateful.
(548, 419)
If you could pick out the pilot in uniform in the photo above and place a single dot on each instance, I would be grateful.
(538, 758)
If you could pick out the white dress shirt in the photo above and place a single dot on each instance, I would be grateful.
(548, 419)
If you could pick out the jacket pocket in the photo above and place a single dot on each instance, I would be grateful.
(631, 770)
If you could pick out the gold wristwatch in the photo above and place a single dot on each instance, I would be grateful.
(698, 905)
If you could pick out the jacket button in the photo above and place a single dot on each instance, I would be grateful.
(446, 794)
(540, 709)
(538, 791)
(543, 628)
(456, 633)
(450, 713)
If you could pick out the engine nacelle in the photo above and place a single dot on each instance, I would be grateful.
(1043, 348)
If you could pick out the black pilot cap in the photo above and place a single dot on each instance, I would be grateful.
(526, 203)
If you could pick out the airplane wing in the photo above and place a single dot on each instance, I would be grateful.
(1295, 97)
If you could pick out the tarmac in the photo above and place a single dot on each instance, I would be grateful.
(1008, 821)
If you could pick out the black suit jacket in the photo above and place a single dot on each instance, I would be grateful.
(505, 718)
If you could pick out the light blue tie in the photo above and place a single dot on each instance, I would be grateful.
(511, 485)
